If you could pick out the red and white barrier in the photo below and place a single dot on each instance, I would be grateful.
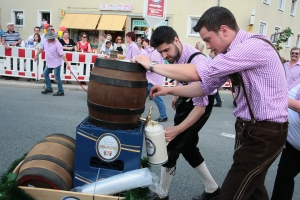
(227, 85)
(18, 62)
(81, 64)
(166, 82)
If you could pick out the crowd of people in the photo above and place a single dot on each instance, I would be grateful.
(267, 95)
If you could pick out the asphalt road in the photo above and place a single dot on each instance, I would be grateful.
(28, 116)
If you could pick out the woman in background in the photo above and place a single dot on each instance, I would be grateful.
(84, 45)
(67, 43)
(119, 45)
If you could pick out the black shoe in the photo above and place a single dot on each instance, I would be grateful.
(59, 94)
(8, 78)
(218, 105)
(208, 196)
(47, 91)
(161, 119)
(28, 80)
(154, 196)
(16, 78)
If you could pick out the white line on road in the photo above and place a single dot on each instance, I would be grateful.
(228, 135)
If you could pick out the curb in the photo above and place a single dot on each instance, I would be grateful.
(22, 83)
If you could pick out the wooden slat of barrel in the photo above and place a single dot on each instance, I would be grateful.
(117, 94)
(49, 164)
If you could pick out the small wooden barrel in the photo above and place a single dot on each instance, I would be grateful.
(117, 94)
(49, 164)
(113, 54)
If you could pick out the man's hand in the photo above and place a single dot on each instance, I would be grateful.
(7, 47)
(171, 132)
(68, 67)
(144, 61)
(174, 99)
(158, 90)
(35, 58)
(14, 44)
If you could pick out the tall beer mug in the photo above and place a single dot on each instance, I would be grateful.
(156, 144)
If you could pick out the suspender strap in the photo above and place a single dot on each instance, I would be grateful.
(237, 80)
(189, 61)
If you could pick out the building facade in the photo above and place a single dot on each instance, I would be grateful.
(119, 17)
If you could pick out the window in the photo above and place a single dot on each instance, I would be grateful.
(192, 21)
(298, 41)
(276, 34)
(267, 2)
(18, 18)
(293, 7)
(281, 4)
(262, 28)
(288, 43)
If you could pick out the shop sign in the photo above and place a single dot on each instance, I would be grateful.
(116, 7)
(61, 13)
(154, 12)
(143, 23)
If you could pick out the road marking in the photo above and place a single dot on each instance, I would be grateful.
(228, 135)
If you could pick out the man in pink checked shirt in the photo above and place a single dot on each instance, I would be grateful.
(262, 100)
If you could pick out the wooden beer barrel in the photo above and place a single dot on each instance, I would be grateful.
(49, 164)
(117, 94)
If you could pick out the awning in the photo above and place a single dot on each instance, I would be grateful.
(80, 21)
(112, 22)
(67, 20)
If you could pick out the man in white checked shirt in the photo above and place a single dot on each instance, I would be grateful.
(262, 101)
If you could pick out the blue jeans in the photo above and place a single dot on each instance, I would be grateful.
(46, 73)
(159, 101)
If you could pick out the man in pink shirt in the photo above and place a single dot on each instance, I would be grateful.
(132, 48)
(191, 115)
(54, 53)
(292, 68)
(261, 96)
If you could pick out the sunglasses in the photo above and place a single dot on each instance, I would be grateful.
(295, 53)
(83, 36)
(119, 39)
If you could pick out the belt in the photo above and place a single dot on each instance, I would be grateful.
(266, 124)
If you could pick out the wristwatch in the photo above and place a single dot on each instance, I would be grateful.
(152, 65)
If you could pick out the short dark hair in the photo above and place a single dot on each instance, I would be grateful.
(108, 42)
(294, 48)
(136, 28)
(37, 28)
(163, 34)
(131, 35)
(146, 40)
(214, 17)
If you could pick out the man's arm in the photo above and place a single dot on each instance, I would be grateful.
(180, 72)
(294, 105)
(37, 54)
(173, 131)
(191, 90)
(66, 61)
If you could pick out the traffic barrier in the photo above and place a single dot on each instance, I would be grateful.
(81, 65)
(18, 62)
(227, 84)
(168, 82)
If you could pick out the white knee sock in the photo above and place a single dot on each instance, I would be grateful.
(209, 183)
(165, 180)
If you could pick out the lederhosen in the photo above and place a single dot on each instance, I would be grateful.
(257, 145)
(186, 142)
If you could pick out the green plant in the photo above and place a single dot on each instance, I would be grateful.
(9, 189)
(283, 38)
